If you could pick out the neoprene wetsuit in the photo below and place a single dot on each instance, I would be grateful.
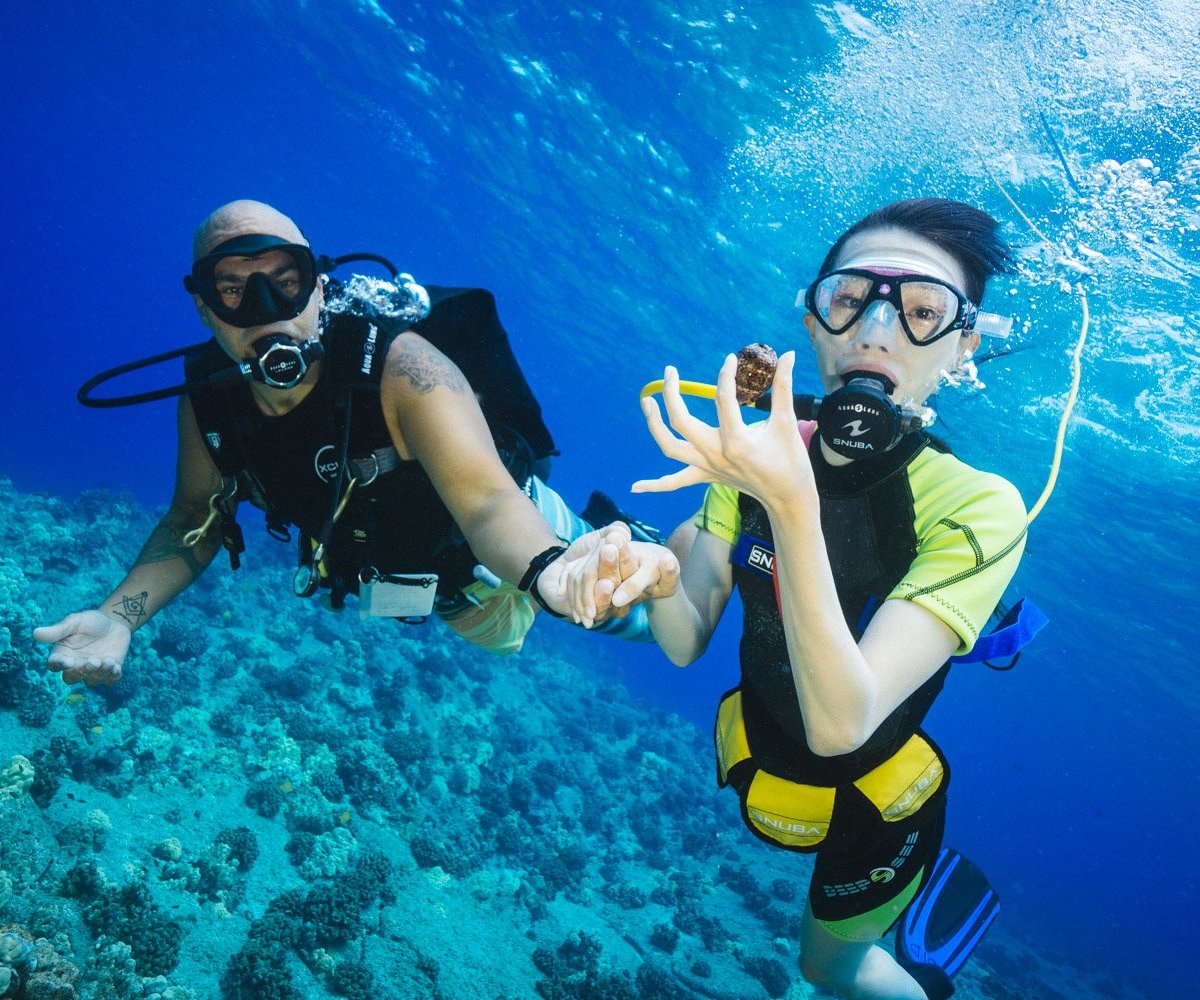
(912, 524)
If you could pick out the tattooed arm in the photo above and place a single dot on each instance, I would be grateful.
(434, 417)
(91, 645)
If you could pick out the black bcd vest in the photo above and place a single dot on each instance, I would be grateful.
(866, 520)
(287, 465)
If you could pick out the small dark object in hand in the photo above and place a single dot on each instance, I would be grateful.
(755, 372)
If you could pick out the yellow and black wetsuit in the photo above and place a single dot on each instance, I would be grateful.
(912, 524)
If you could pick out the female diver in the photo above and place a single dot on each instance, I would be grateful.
(863, 562)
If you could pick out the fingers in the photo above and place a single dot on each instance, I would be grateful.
(596, 597)
(580, 577)
(628, 563)
(689, 476)
(585, 544)
(92, 672)
(677, 411)
(668, 577)
(617, 563)
(55, 632)
(615, 544)
(652, 579)
(594, 581)
(729, 413)
(617, 533)
(668, 443)
(602, 601)
(57, 662)
(783, 407)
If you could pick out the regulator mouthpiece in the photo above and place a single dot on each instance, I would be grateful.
(860, 419)
(280, 362)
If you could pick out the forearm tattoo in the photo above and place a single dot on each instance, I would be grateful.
(166, 543)
(427, 368)
(131, 608)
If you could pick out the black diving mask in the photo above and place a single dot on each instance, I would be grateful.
(268, 297)
(254, 280)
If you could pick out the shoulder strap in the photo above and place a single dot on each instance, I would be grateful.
(214, 415)
(754, 554)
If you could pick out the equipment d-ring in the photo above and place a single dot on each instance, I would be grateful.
(374, 475)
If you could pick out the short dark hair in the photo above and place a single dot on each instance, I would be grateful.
(967, 234)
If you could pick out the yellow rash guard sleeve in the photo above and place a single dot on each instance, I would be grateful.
(970, 529)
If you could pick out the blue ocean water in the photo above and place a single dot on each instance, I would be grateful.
(642, 184)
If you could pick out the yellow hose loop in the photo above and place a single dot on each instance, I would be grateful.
(1075, 357)
(192, 538)
(701, 389)
(1076, 370)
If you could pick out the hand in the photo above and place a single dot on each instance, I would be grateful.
(88, 646)
(591, 563)
(767, 459)
(656, 576)
(605, 580)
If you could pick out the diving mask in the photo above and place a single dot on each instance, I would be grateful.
(278, 292)
(928, 307)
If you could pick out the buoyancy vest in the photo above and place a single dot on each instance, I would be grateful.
(395, 521)
(789, 796)
(867, 523)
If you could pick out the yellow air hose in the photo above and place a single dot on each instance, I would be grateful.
(1076, 368)
(701, 389)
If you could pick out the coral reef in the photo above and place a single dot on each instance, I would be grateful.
(573, 971)
(335, 808)
(33, 968)
(128, 914)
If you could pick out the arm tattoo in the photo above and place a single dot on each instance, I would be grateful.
(427, 368)
(132, 609)
(166, 543)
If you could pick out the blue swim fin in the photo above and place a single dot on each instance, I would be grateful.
(944, 923)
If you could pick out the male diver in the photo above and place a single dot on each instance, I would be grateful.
(352, 430)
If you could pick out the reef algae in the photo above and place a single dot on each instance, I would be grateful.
(280, 802)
